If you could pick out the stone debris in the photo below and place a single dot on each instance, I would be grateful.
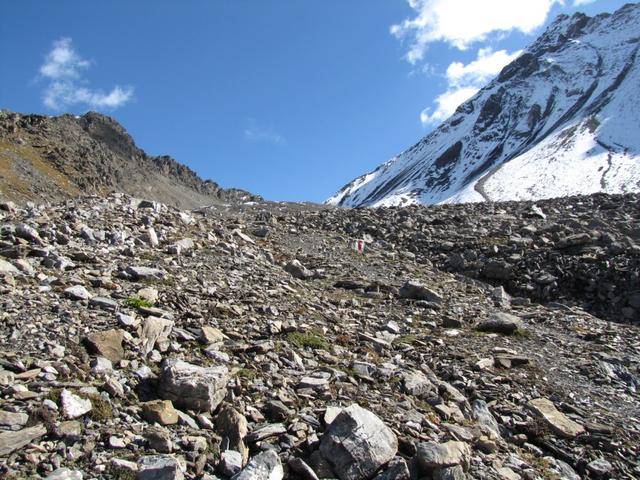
(467, 341)
(11, 441)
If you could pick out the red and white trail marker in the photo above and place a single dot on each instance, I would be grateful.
(358, 246)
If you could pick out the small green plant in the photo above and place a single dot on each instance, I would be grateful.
(101, 409)
(53, 395)
(407, 339)
(122, 474)
(247, 373)
(522, 333)
(308, 340)
(135, 302)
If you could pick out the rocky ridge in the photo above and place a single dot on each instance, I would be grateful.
(54, 158)
(253, 342)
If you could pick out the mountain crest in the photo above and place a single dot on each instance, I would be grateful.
(561, 119)
(47, 158)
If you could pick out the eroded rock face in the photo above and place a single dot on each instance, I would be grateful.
(358, 443)
(193, 387)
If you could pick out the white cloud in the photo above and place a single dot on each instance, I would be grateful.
(464, 81)
(447, 104)
(258, 134)
(66, 87)
(481, 70)
(464, 22)
(579, 3)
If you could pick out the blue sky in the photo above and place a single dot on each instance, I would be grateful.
(289, 99)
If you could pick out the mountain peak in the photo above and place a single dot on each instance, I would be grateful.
(561, 119)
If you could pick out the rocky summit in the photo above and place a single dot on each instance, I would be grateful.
(253, 341)
(45, 158)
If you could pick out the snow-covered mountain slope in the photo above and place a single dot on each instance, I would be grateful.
(561, 119)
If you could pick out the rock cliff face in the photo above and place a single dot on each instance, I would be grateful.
(47, 158)
(562, 119)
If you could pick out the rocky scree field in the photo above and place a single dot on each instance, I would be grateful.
(488, 341)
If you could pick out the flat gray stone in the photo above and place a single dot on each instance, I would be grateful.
(556, 420)
(12, 441)
(11, 419)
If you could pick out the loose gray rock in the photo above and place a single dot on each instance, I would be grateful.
(159, 467)
(264, 466)
(433, 455)
(416, 291)
(12, 441)
(65, 474)
(358, 443)
(500, 322)
(558, 421)
(192, 387)
(145, 274)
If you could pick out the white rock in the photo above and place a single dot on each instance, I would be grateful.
(77, 292)
(73, 406)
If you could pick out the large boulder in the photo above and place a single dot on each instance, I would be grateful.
(193, 387)
(358, 443)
